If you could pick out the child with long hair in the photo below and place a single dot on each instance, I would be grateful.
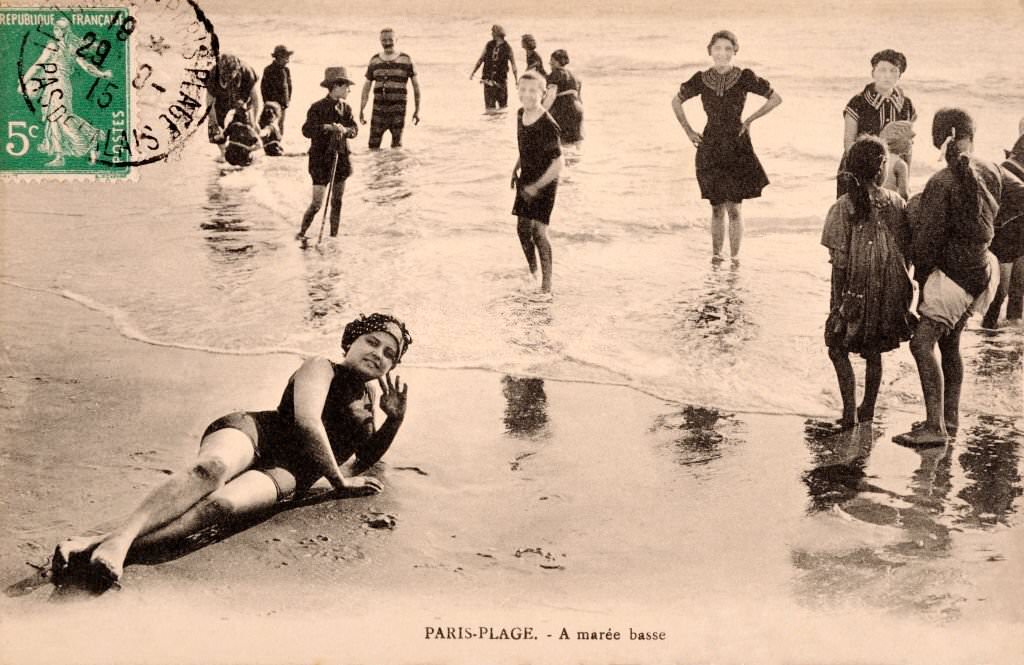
(866, 232)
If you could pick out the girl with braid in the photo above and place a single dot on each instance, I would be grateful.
(249, 461)
(961, 207)
(866, 233)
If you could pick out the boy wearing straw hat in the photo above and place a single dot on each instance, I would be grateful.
(329, 123)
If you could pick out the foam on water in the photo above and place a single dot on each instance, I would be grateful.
(199, 257)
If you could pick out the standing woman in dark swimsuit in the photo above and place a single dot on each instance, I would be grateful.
(728, 171)
(563, 98)
(880, 103)
(249, 461)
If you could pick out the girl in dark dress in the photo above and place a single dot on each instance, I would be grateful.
(880, 103)
(249, 461)
(535, 175)
(563, 98)
(728, 171)
(867, 234)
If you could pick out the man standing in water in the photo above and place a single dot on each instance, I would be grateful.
(496, 58)
(388, 73)
(276, 84)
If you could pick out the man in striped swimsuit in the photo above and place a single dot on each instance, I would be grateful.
(388, 73)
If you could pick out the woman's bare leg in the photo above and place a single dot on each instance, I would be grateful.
(717, 231)
(248, 494)
(735, 228)
(223, 455)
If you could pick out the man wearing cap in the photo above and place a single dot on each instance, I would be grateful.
(276, 84)
(388, 73)
(329, 122)
(496, 58)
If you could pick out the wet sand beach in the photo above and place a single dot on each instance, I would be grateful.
(646, 453)
(516, 503)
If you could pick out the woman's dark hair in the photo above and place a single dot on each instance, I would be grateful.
(727, 35)
(561, 56)
(529, 42)
(864, 167)
(892, 57)
(376, 322)
(949, 126)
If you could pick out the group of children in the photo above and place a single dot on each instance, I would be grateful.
(241, 139)
(882, 248)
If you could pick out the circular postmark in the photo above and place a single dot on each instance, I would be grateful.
(108, 85)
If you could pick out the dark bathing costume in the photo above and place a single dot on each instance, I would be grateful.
(347, 417)
(276, 86)
(328, 111)
(538, 147)
(496, 69)
(563, 109)
(727, 168)
(534, 62)
(872, 113)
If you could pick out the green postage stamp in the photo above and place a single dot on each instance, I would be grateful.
(95, 90)
(65, 85)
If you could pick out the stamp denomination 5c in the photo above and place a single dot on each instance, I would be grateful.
(95, 91)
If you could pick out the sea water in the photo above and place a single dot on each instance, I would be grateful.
(199, 256)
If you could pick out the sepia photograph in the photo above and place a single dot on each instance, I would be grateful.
(448, 332)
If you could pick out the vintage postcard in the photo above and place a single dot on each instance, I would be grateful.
(442, 332)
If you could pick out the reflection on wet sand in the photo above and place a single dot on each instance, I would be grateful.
(717, 315)
(872, 538)
(322, 278)
(991, 464)
(703, 433)
(526, 412)
(997, 371)
(226, 224)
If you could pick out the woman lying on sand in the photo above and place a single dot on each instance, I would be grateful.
(249, 461)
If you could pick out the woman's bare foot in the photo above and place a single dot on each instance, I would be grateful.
(107, 561)
(72, 555)
(922, 436)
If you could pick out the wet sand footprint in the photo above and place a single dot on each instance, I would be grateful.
(548, 560)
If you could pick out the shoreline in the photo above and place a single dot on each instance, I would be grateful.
(518, 501)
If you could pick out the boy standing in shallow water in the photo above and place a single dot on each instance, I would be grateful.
(329, 123)
(535, 175)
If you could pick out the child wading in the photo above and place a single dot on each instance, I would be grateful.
(866, 232)
(535, 175)
(270, 129)
(240, 139)
(329, 123)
